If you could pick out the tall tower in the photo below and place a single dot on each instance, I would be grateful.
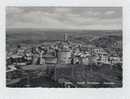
(65, 37)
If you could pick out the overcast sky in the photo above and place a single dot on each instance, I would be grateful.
(104, 18)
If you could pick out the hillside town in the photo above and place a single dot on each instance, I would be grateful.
(63, 52)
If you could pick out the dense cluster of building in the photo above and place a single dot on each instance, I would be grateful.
(61, 52)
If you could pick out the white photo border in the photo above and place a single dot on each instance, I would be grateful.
(63, 93)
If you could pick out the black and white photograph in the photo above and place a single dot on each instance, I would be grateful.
(64, 47)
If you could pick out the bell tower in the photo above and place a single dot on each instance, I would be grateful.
(65, 37)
